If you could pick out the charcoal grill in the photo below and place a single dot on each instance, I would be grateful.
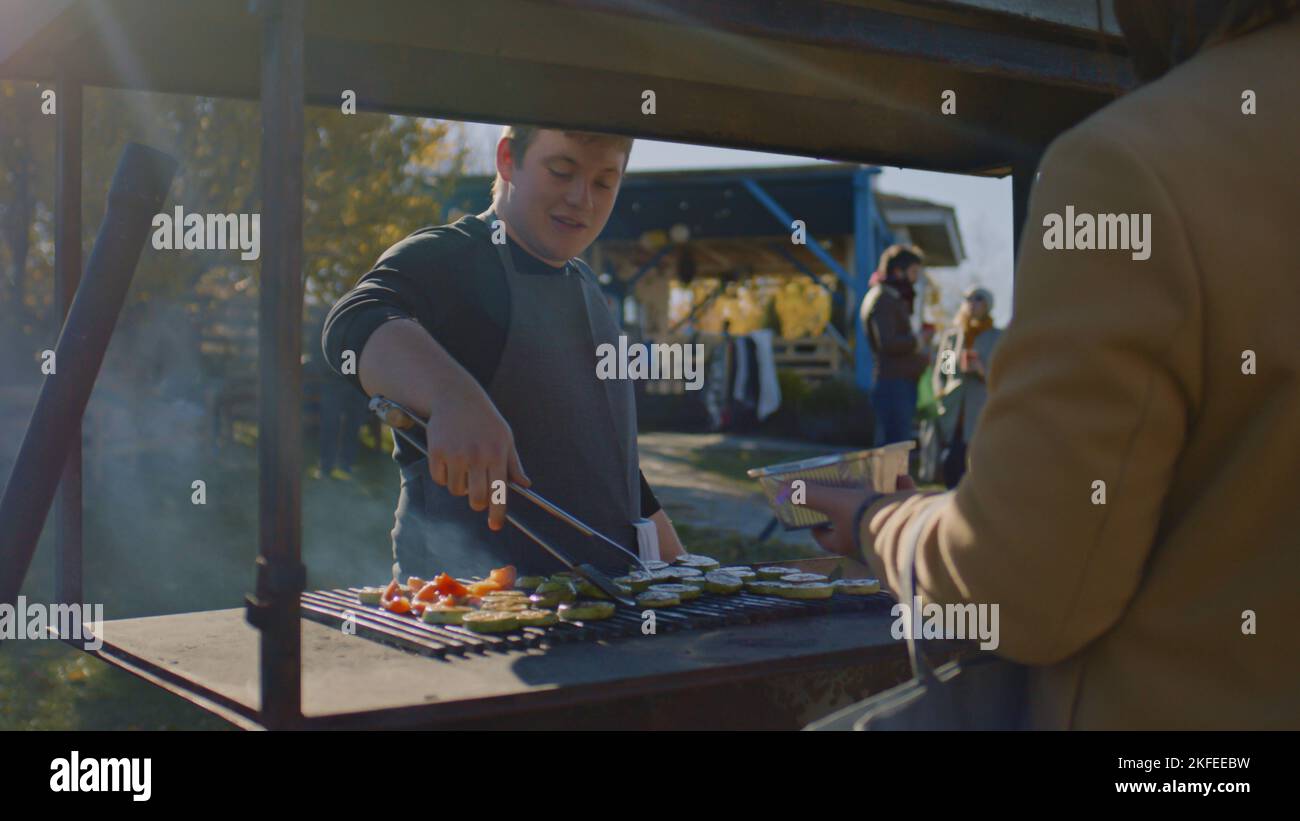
(336, 608)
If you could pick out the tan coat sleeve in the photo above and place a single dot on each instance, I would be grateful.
(1096, 380)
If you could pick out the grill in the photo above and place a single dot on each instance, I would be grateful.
(338, 607)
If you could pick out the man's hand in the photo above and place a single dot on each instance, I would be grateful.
(471, 447)
(841, 504)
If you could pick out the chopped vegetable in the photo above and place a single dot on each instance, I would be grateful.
(586, 610)
(857, 587)
(448, 586)
(439, 614)
(490, 621)
(657, 598)
(724, 583)
(503, 576)
(398, 605)
(371, 595)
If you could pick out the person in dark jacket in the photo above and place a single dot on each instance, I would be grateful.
(900, 355)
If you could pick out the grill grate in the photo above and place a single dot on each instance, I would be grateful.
(332, 608)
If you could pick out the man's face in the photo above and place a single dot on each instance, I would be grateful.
(557, 202)
(913, 272)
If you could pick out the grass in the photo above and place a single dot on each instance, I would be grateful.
(150, 551)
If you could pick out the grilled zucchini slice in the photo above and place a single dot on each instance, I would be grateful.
(723, 583)
(657, 598)
(806, 590)
(804, 578)
(562, 590)
(636, 581)
(490, 621)
(650, 566)
(701, 563)
(857, 587)
(445, 615)
(371, 595)
(684, 592)
(591, 591)
(765, 587)
(586, 610)
(528, 582)
(742, 573)
(535, 618)
(774, 571)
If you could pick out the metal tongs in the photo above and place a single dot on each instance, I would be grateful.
(402, 419)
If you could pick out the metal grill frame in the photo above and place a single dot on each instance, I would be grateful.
(335, 608)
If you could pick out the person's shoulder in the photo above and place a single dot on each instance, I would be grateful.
(1176, 114)
(433, 244)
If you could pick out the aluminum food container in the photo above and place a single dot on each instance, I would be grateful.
(880, 467)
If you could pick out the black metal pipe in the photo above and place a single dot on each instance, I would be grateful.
(281, 576)
(139, 187)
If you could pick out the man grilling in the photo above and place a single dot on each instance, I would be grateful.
(489, 327)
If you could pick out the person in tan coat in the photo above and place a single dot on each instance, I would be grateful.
(1131, 503)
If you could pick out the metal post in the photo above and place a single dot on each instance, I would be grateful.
(67, 276)
(1022, 182)
(865, 254)
(273, 609)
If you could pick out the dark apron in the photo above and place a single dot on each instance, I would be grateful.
(575, 434)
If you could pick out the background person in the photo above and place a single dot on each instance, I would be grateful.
(1130, 505)
(959, 377)
(900, 355)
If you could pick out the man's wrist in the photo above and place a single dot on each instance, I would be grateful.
(859, 514)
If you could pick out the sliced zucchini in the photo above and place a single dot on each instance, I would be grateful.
(806, 590)
(724, 583)
(507, 594)
(445, 615)
(684, 592)
(650, 566)
(804, 578)
(371, 595)
(765, 587)
(774, 571)
(529, 582)
(490, 621)
(857, 587)
(535, 618)
(702, 563)
(544, 600)
(682, 573)
(591, 591)
(562, 589)
(694, 581)
(636, 581)
(586, 610)
(657, 598)
(507, 605)
(742, 573)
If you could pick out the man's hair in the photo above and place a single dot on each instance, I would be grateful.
(521, 136)
(900, 258)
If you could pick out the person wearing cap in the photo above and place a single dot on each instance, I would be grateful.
(959, 377)
(1130, 506)
(489, 328)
